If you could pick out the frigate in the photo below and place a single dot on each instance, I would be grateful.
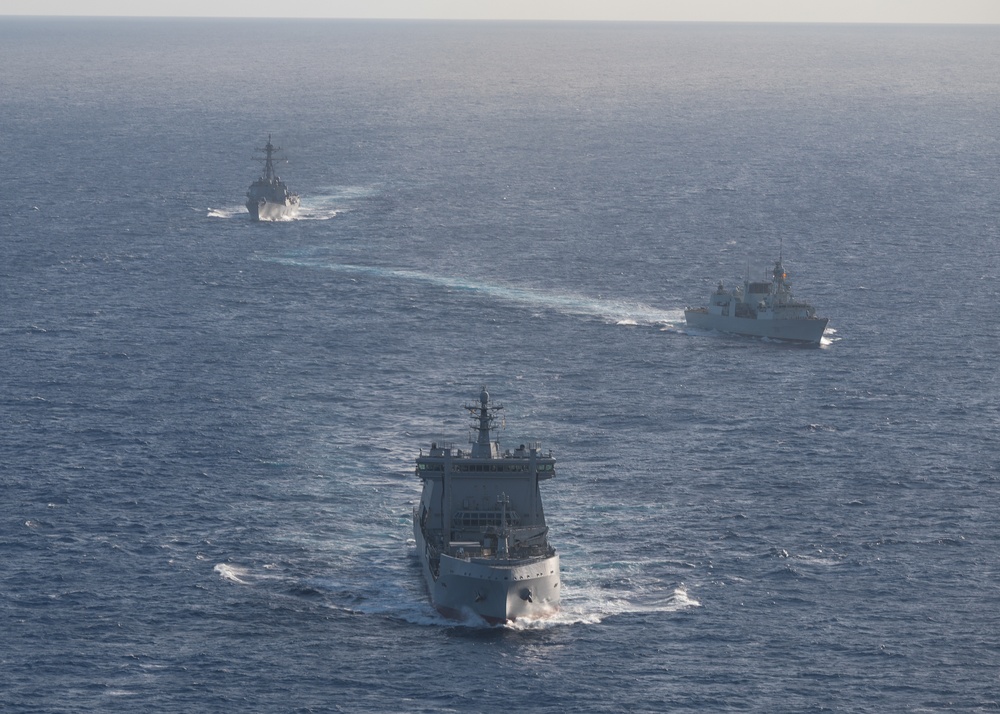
(268, 198)
(760, 308)
(480, 529)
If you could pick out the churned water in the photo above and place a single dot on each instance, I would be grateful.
(207, 426)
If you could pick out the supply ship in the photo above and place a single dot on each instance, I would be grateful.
(480, 529)
(763, 308)
(268, 198)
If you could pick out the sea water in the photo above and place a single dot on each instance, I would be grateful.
(208, 426)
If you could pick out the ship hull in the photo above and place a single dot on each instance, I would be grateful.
(800, 330)
(497, 591)
(270, 211)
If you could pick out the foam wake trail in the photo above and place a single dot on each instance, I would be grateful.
(309, 211)
(620, 312)
(333, 201)
(228, 212)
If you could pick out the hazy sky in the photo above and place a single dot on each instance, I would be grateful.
(896, 11)
(901, 11)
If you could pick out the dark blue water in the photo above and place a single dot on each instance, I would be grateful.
(207, 427)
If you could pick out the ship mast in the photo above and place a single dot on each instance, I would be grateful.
(484, 415)
(778, 274)
(269, 152)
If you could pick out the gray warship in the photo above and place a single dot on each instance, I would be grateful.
(268, 198)
(480, 530)
(762, 308)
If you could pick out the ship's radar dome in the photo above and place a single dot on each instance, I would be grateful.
(484, 397)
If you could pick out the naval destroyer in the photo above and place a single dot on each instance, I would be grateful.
(268, 198)
(480, 530)
(762, 308)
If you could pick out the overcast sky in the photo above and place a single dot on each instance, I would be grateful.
(896, 11)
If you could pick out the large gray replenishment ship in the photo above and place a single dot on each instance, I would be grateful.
(480, 530)
(268, 198)
(762, 308)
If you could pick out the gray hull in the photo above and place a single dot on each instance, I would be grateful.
(497, 591)
(798, 330)
(270, 211)
(480, 528)
(268, 198)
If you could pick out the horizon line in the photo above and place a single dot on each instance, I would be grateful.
(619, 21)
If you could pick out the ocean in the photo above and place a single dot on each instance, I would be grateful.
(208, 426)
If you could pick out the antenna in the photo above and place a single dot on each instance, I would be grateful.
(483, 417)
(269, 151)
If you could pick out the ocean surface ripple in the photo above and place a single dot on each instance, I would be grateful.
(208, 426)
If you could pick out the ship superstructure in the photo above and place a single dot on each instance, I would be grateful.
(268, 198)
(480, 530)
(760, 308)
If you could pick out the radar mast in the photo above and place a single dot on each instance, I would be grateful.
(484, 417)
